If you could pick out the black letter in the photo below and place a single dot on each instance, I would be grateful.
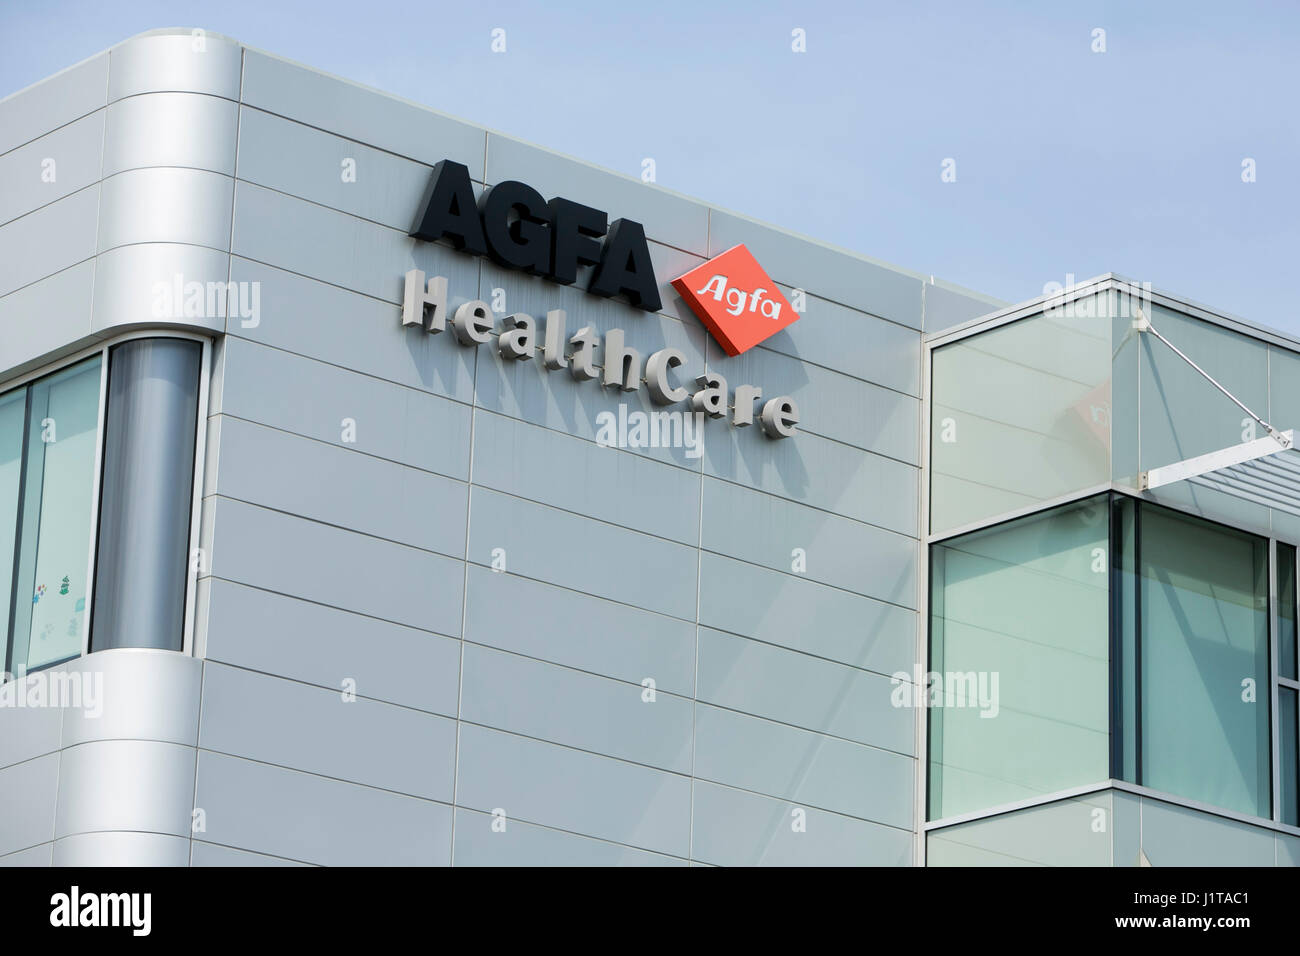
(449, 210)
(626, 267)
(574, 230)
(523, 243)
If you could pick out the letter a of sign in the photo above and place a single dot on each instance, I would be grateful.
(736, 300)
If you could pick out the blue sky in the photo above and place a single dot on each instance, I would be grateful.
(1068, 161)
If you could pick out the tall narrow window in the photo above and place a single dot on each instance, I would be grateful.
(13, 416)
(47, 470)
(1286, 611)
(1194, 661)
(1288, 732)
(1288, 740)
(150, 434)
(1018, 629)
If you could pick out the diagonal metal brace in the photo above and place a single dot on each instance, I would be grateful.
(1143, 324)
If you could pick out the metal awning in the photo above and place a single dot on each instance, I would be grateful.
(1265, 470)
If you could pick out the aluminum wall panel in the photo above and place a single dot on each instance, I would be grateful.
(832, 405)
(755, 678)
(815, 471)
(42, 855)
(613, 639)
(63, 301)
(191, 61)
(127, 786)
(189, 206)
(318, 400)
(790, 610)
(805, 767)
(48, 240)
(546, 544)
(28, 791)
(668, 218)
(57, 164)
(329, 170)
(209, 854)
(262, 631)
(331, 566)
(605, 483)
(578, 710)
(184, 130)
(312, 819)
(784, 536)
(336, 485)
(737, 828)
(264, 718)
(850, 341)
(28, 732)
(129, 284)
(367, 116)
(524, 844)
(349, 330)
(569, 789)
(64, 97)
(121, 849)
(334, 247)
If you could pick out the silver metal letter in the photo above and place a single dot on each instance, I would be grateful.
(421, 306)
(516, 342)
(656, 377)
(746, 396)
(553, 348)
(585, 344)
(711, 399)
(622, 364)
(472, 323)
(779, 417)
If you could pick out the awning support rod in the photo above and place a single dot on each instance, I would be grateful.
(1143, 324)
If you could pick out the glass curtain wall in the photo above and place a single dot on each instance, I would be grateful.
(1193, 669)
(48, 432)
(1288, 707)
(1120, 639)
(1019, 614)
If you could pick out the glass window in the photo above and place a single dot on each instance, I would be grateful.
(1286, 611)
(1289, 740)
(1195, 661)
(1019, 614)
(1021, 414)
(13, 415)
(144, 529)
(47, 467)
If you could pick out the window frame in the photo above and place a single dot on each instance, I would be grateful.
(1117, 637)
(1275, 667)
(102, 349)
(1116, 780)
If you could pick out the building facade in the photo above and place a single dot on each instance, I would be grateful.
(379, 489)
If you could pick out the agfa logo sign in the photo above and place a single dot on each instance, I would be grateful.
(518, 229)
(736, 300)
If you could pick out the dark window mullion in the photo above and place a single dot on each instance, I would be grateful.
(18, 533)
